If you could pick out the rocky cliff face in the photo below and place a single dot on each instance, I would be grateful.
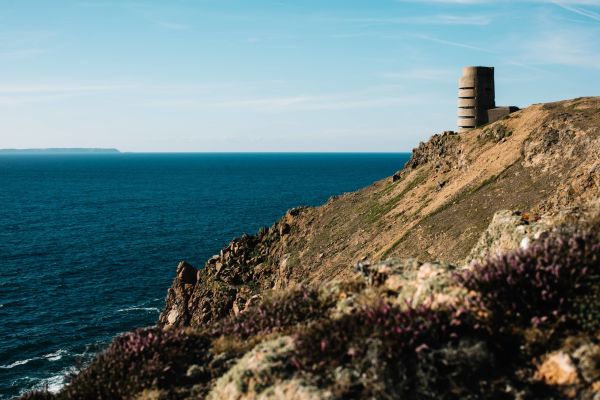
(473, 273)
(537, 161)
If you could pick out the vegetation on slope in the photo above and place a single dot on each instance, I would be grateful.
(296, 311)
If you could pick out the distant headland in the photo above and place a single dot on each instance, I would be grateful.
(60, 151)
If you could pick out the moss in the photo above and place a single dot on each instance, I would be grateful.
(394, 245)
(376, 209)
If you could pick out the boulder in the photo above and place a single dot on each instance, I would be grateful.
(186, 273)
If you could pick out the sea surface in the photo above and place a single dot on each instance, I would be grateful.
(89, 243)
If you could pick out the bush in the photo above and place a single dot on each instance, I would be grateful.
(276, 313)
(139, 360)
(400, 332)
(397, 353)
(555, 280)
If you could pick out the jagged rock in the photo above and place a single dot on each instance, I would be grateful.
(186, 274)
(441, 149)
(588, 361)
(263, 374)
(558, 369)
(414, 282)
(507, 231)
(284, 229)
(496, 132)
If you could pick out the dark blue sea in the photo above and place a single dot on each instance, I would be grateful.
(89, 243)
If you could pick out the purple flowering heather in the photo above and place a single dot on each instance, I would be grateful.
(551, 281)
(274, 314)
(137, 360)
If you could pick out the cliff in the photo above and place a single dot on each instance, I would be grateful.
(536, 161)
(474, 272)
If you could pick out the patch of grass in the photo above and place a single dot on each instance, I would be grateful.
(394, 245)
(376, 209)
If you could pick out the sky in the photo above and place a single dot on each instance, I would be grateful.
(279, 75)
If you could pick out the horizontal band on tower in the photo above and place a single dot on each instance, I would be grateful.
(467, 102)
(467, 113)
(466, 92)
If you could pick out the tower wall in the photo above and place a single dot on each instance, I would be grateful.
(475, 96)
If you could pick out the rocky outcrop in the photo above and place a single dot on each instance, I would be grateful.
(508, 230)
(263, 374)
(230, 281)
(441, 150)
(574, 369)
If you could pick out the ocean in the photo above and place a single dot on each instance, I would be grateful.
(89, 243)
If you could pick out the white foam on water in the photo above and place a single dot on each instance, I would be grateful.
(52, 384)
(153, 309)
(17, 363)
(55, 383)
(57, 355)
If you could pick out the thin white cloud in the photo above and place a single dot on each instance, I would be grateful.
(174, 26)
(526, 66)
(57, 89)
(15, 94)
(437, 19)
(452, 43)
(472, 2)
(576, 48)
(422, 74)
(340, 101)
(586, 13)
(17, 54)
(447, 1)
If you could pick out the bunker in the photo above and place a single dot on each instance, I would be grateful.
(477, 99)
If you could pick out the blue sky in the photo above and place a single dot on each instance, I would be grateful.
(281, 75)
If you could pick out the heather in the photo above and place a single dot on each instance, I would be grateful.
(277, 312)
(144, 358)
(554, 281)
(400, 332)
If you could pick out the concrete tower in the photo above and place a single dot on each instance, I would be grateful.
(475, 97)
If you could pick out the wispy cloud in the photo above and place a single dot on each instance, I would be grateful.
(471, 2)
(24, 53)
(447, 1)
(174, 26)
(59, 88)
(437, 19)
(18, 44)
(339, 101)
(586, 13)
(18, 94)
(452, 43)
(577, 48)
(422, 74)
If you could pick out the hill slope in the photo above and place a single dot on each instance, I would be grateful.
(537, 161)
